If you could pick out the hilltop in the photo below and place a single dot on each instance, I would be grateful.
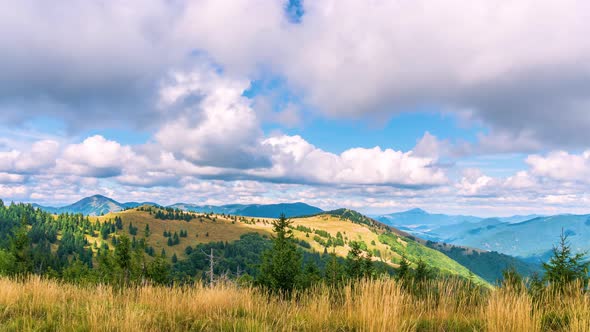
(98, 205)
(332, 229)
(94, 206)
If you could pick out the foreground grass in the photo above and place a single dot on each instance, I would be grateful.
(43, 305)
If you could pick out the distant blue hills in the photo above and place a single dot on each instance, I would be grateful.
(98, 205)
(254, 210)
(530, 237)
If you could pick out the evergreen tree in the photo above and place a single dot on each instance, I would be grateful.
(118, 222)
(174, 258)
(311, 276)
(281, 265)
(354, 261)
(20, 248)
(132, 230)
(147, 232)
(403, 271)
(422, 272)
(123, 257)
(333, 273)
(159, 271)
(565, 267)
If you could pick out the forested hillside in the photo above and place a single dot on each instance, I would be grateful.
(166, 244)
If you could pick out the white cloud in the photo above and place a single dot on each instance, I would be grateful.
(41, 155)
(94, 157)
(11, 178)
(562, 166)
(215, 126)
(345, 57)
(294, 159)
(13, 192)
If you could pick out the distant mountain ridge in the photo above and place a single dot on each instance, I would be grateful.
(93, 206)
(254, 210)
(97, 205)
(419, 218)
(530, 236)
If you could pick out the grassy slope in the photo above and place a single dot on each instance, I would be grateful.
(389, 242)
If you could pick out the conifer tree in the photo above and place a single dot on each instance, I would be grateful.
(281, 265)
(422, 272)
(564, 266)
(123, 257)
(354, 261)
(403, 271)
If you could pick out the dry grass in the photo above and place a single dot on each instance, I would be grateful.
(43, 305)
(222, 229)
(225, 229)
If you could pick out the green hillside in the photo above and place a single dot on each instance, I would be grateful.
(181, 237)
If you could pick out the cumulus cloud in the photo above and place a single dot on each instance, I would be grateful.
(526, 80)
(41, 155)
(94, 157)
(562, 166)
(296, 160)
(216, 125)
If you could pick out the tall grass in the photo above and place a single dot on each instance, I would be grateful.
(37, 304)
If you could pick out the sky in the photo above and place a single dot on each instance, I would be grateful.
(478, 107)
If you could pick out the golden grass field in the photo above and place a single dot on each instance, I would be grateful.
(230, 228)
(226, 229)
(382, 305)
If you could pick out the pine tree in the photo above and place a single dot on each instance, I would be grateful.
(147, 232)
(118, 222)
(20, 247)
(281, 265)
(159, 271)
(310, 276)
(333, 273)
(123, 257)
(354, 261)
(565, 267)
(174, 258)
(403, 271)
(422, 272)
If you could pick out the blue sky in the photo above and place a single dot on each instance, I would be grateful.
(333, 103)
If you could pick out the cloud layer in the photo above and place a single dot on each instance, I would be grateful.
(181, 71)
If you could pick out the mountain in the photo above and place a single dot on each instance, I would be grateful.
(98, 205)
(532, 239)
(419, 218)
(131, 205)
(254, 210)
(93, 206)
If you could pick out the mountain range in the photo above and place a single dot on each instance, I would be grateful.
(98, 205)
(530, 237)
(484, 263)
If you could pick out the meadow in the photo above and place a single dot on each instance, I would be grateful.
(38, 304)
